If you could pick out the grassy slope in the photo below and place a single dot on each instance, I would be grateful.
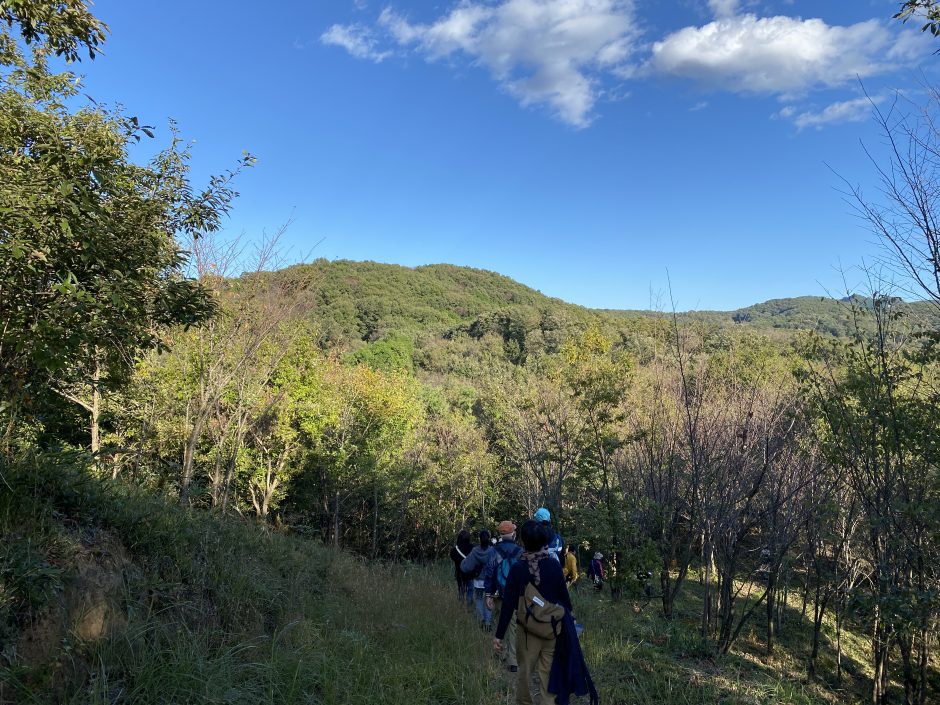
(118, 597)
(196, 609)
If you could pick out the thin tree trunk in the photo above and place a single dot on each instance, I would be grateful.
(189, 456)
(336, 541)
(709, 560)
(96, 409)
(375, 519)
(839, 615)
(818, 612)
(771, 608)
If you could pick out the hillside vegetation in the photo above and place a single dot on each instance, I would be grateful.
(115, 596)
(226, 489)
(828, 316)
(371, 301)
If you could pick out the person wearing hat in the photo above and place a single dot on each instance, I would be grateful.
(505, 554)
(556, 662)
(596, 571)
(555, 544)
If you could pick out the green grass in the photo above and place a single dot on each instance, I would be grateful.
(639, 657)
(213, 610)
(204, 609)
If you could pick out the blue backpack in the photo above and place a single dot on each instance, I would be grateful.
(503, 567)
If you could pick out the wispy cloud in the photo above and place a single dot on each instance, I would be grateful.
(723, 8)
(566, 54)
(854, 110)
(357, 39)
(543, 52)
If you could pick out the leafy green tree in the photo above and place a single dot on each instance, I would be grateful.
(599, 378)
(448, 481)
(90, 269)
(65, 28)
(394, 353)
(877, 400)
(357, 424)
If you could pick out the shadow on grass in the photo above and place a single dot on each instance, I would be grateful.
(639, 657)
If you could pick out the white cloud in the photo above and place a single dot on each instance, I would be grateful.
(541, 51)
(566, 54)
(778, 55)
(357, 39)
(723, 8)
(854, 110)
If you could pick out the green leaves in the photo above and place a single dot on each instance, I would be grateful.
(927, 10)
(63, 27)
(90, 265)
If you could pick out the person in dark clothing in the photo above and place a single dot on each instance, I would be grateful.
(569, 672)
(458, 553)
(596, 571)
(537, 566)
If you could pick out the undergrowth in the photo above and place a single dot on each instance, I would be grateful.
(215, 610)
(112, 595)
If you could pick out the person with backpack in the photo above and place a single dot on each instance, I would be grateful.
(546, 638)
(555, 543)
(472, 566)
(458, 553)
(536, 597)
(495, 574)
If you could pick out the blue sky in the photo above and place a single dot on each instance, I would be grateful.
(583, 147)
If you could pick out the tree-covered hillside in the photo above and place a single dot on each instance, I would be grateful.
(371, 301)
(825, 315)
(177, 446)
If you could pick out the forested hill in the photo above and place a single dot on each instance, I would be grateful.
(370, 301)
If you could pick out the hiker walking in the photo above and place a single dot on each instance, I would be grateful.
(554, 543)
(571, 565)
(596, 571)
(495, 574)
(546, 639)
(458, 552)
(472, 566)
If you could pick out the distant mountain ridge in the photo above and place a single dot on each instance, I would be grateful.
(820, 313)
(368, 301)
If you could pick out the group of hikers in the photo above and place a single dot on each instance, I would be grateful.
(519, 582)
